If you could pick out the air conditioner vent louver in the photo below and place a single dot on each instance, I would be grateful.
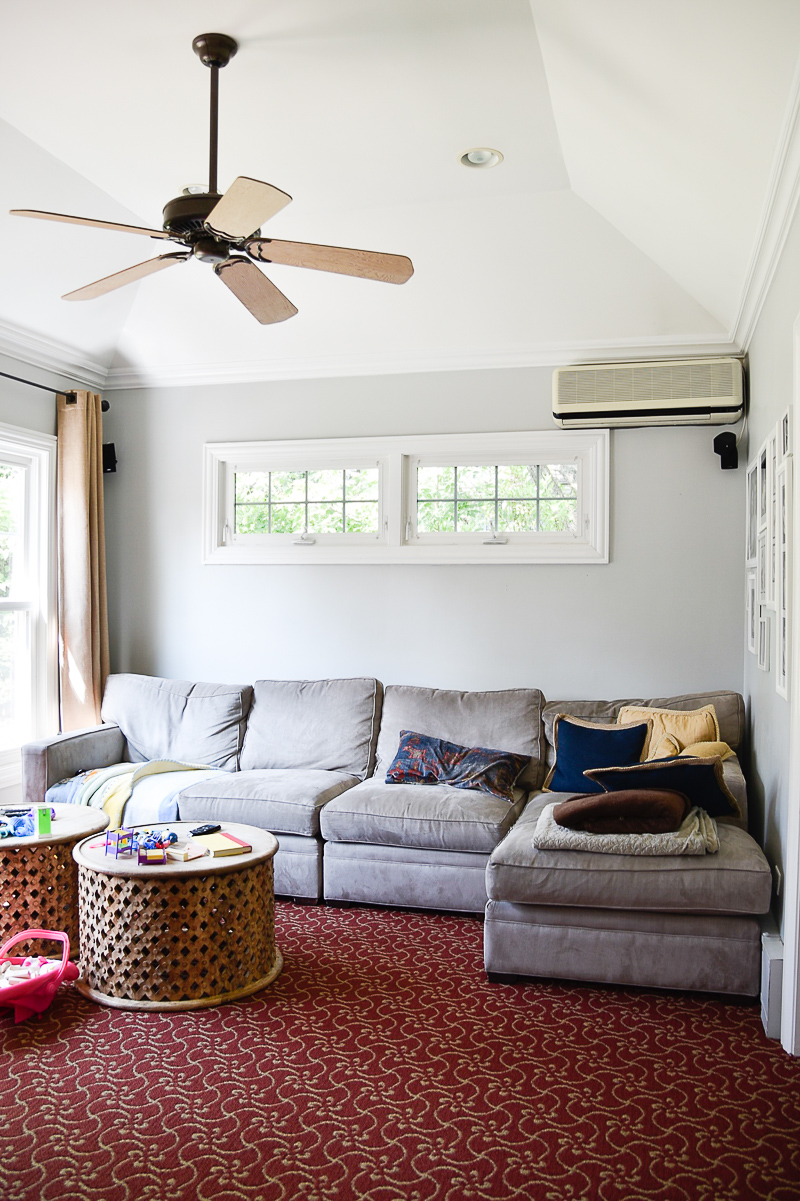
(672, 392)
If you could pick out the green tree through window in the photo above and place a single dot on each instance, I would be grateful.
(517, 498)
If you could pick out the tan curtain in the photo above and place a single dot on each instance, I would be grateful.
(82, 607)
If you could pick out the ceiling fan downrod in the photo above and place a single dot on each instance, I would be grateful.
(215, 50)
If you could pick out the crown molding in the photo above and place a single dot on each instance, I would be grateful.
(557, 355)
(776, 218)
(47, 354)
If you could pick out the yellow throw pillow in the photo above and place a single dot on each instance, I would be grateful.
(667, 748)
(705, 750)
(686, 726)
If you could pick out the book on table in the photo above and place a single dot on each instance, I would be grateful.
(182, 851)
(222, 843)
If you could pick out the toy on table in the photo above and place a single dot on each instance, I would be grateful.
(119, 842)
(27, 821)
(29, 983)
(152, 845)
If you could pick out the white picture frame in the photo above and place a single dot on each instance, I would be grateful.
(763, 641)
(752, 612)
(783, 543)
(763, 507)
(761, 569)
(772, 517)
(785, 436)
(752, 512)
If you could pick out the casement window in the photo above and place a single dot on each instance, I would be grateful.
(27, 593)
(538, 497)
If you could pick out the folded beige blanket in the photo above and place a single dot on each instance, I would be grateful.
(697, 835)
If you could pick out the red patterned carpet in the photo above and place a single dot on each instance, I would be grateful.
(382, 1066)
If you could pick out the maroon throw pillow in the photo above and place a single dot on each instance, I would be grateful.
(639, 811)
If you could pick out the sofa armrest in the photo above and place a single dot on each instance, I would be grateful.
(45, 763)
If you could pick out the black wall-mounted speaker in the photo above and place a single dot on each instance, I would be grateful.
(725, 447)
(109, 458)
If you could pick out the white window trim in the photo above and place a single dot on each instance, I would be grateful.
(38, 451)
(396, 541)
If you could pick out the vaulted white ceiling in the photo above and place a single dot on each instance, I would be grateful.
(650, 161)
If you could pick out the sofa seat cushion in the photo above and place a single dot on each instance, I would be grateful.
(431, 816)
(175, 719)
(735, 880)
(285, 802)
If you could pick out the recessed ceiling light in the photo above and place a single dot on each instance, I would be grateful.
(195, 189)
(481, 156)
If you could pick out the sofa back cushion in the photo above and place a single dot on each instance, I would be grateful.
(510, 720)
(327, 725)
(175, 719)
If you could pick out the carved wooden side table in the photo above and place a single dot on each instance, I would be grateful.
(177, 935)
(39, 878)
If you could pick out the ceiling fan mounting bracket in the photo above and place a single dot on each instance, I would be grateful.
(215, 49)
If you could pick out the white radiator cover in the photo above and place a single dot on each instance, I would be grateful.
(665, 392)
(771, 983)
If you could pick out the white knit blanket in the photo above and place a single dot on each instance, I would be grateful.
(696, 836)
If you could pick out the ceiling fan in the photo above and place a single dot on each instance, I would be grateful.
(224, 230)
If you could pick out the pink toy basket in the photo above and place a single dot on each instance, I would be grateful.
(33, 996)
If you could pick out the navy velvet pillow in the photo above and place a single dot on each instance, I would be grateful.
(700, 780)
(581, 746)
(421, 759)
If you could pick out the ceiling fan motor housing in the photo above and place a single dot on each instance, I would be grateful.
(185, 215)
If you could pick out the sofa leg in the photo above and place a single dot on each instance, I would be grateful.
(501, 978)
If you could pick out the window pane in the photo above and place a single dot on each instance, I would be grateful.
(12, 517)
(14, 677)
(361, 483)
(435, 483)
(475, 481)
(558, 515)
(325, 485)
(288, 485)
(435, 517)
(252, 519)
(251, 486)
(474, 516)
(517, 516)
(325, 518)
(517, 480)
(362, 518)
(558, 479)
(288, 519)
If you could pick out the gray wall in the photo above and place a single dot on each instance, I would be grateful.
(665, 616)
(29, 408)
(771, 393)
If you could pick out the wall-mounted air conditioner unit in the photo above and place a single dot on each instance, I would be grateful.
(668, 392)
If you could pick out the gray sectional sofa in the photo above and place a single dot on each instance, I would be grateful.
(307, 760)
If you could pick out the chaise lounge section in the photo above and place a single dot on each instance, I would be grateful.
(686, 922)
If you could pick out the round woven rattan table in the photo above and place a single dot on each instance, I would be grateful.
(39, 878)
(178, 935)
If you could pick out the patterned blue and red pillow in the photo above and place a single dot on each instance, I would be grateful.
(421, 759)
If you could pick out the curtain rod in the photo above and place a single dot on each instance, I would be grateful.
(104, 405)
(31, 383)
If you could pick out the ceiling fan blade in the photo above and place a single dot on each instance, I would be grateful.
(366, 264)
(128, 276)
(128, 229)
(257, 293)
(245, 207)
